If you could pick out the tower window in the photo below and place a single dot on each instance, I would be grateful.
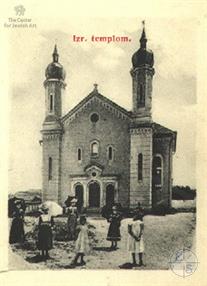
(141, 96)
(110, 153)
(50, 168)
(79, 154)
(140, 167)
(51, 102)
(94, 148)
(157, 171)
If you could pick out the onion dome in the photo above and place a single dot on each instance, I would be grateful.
(55, 69)
(143, 56)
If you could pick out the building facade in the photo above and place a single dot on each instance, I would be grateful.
(101, 152)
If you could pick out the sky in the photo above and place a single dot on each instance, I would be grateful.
(174, 43)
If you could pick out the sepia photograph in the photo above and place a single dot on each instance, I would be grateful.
(102, 151)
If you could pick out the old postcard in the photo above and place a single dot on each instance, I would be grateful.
(105, 132)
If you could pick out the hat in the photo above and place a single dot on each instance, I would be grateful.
(44, 208)
(74, 200)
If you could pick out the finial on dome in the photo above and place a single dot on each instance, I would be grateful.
(143, 56)
(55, 54)
(143, 39)
(95, 87)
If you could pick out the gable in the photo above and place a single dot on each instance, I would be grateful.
(97, 98)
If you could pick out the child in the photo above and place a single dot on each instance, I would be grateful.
(72, 219)
(114, 228)
(82, 243)
(45, 240)
(135, 239)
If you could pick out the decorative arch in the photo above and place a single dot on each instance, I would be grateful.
(142, 95)
(110, 153)
(79, 151)
(94, 193)
(94, 148)
(110, 194)
(50, 168)
(78, 190)
(157, 170)
(51, 102)
(140, 166)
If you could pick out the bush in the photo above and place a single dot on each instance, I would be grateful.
(60, 232)
(183, 193)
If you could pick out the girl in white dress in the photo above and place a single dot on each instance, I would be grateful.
(82, 243)
(135, 239)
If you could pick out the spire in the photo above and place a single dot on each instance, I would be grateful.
(143, 39)
(55, 54)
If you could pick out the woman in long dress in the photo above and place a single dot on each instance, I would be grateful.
(17, 234)
(82, 246)
(135, 239)
(114, 228)
(45, 239)
(72, 220)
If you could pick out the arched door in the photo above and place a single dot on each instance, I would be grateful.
(110, 193)
(94, 195)
(79, 196)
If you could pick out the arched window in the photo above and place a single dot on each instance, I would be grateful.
(51, 102)
(157, 171)
(110, 153)
(94, 148)
(142, 95)
(50, 168)
(140, 167)
(79, 154)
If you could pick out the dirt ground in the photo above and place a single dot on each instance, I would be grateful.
(163, 236)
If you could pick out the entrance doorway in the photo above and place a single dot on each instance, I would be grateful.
(79, 196)
(94, 195)
(110, 192)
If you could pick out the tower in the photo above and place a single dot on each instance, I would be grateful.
(142, 73)
(141, 133)
(52, 129)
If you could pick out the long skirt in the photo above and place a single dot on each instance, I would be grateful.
(72, 223)
(114, 231)
(17, 231)
(44, 237)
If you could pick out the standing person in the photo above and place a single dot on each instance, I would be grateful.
(135, 239)
(114, 228)
(45, 240)
(72, 219)
(17, 234)
(82, 243)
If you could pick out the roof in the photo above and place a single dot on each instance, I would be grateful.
(158, 131)
(96, 94)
